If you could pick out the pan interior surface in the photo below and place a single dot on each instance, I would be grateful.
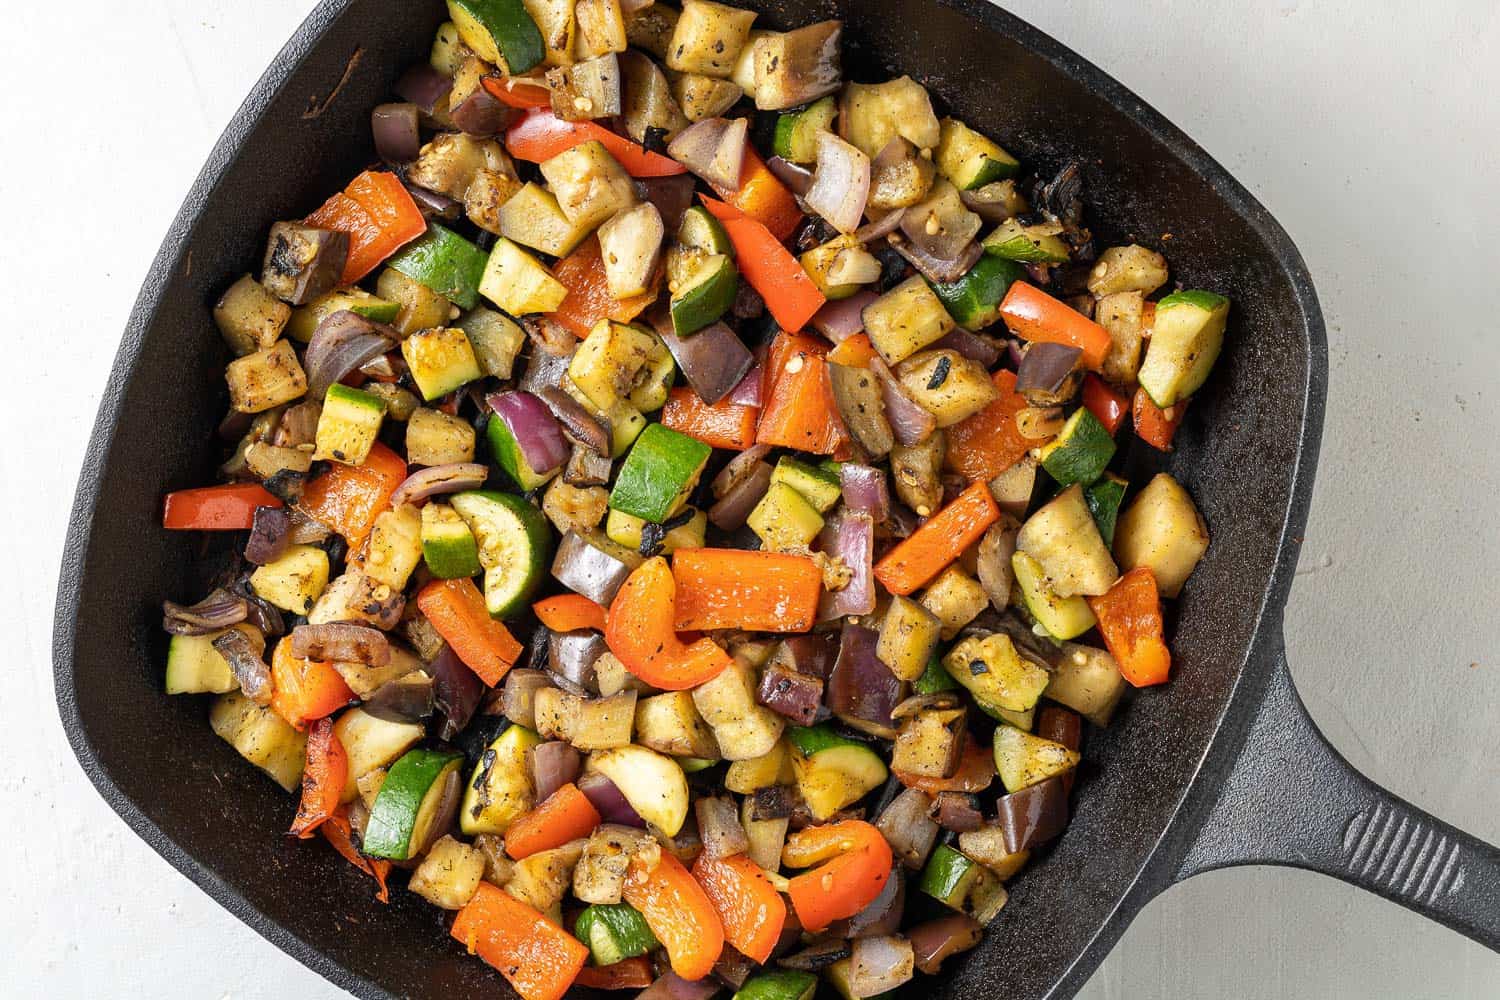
(221, 822)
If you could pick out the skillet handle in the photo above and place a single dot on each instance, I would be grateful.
(1292, 799)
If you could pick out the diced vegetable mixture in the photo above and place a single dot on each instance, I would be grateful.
(672, 514)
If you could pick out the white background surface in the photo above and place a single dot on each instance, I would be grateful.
(1370, 130)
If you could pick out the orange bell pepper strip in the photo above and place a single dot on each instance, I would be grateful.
(337, 831)
(305, 691)
(379, 215)
(627, 974)
(853, 863)
(516, 92)
(799, 409)
(1154, 425)
(539, 959)
(748, 905)
(790, 294)
(640, 633)
(323, 778)
(763, 197)
(723, 425)
(1104, 402)
(215, 508)
(1032, 314)
(1129, 616)
(541, 135)
(348, 498)
(570, 612)
(565, 815)
(678, 912)
(853, 352)
(975, 772)
(457, 610)
(985, 444)
(939, 541)
(756, 591)
(588, 300)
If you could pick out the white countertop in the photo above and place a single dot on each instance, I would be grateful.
(1370, 130)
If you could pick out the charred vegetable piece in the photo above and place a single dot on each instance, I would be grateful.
(833, 771)
(302, 262)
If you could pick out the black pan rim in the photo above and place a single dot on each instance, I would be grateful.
(1153, 873)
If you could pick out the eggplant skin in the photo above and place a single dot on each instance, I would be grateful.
(1033, 815)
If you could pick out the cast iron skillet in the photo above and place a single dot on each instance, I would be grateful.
(1221, 767)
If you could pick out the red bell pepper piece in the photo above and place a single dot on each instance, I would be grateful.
(337, 831)
(570, 612)
(515, 92)
(678, 912)
(763, 197)
(323, 777)
(541, 135)
(748, 904)
(537, 957)
(379, 215)
(627, 974)
(565, 815)
(985, 444)
(348, 498)
(1104, 402)
(756, 591)
(640, 633)
(1154, 425)
(304, 690)
(939, 541)
(723, 425)
(588, 300)
(1129, 616)
(853, 863)
(215, 508)
(770, 268)
(1032, 314)
(457, 610)
(800, 411)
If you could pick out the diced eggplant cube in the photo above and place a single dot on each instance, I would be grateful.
(303, 262)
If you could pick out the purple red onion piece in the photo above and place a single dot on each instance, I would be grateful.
(840, 319)
(940, 269)
(738, 469)
(343, 641)
(482, 114)
(785, 691)
(910, 421)
(245, 663)
(672, 196)
(671, 986)
(342, 342)
(405, 699)
(434, 205)
(219, 610)
(439, 479)
(850, 537)
(841, 183)
(714, 149)
(536, 430)
(865, 489)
